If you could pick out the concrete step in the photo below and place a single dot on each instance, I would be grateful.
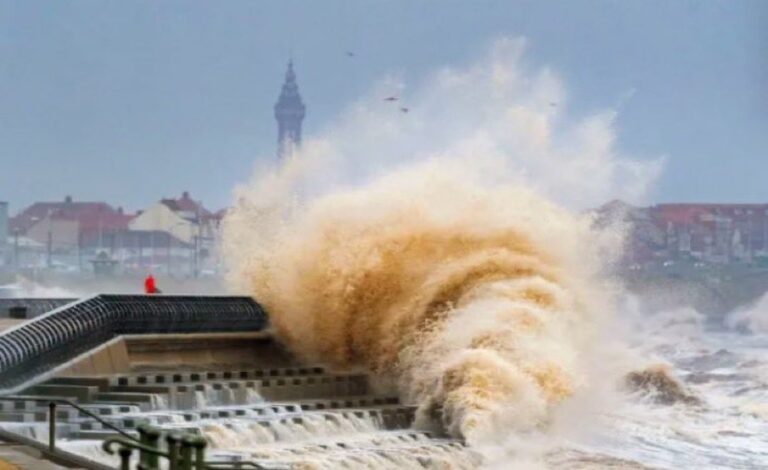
(100, 434)
(18, 417)
(30, 402)
(103, 410)
(142, 400)
(155, 389)
(77, 392)
(347, 402)
(100, 382)
(206, 376)
(325, 386)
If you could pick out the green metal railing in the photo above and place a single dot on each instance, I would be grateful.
(182, 452)
(185, 452)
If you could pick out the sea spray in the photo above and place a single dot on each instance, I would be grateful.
(476, 298)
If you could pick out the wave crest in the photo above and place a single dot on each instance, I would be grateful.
(476, 300)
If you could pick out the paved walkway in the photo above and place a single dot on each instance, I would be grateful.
(17, 457)
(7, 466)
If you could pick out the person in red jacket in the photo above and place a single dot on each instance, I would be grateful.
(149, 285)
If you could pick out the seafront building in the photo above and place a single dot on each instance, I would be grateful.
(187, 223)
(174, 235)
(698, 233)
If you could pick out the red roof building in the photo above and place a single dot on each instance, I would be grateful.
(82, 219)
(186, 205)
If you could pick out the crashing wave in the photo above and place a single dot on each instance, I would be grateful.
(476, 300)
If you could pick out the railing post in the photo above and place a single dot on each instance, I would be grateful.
(52, 426)
(173, 451)
(199, 444)
(186, 453)
(149, 437)
(125, 457)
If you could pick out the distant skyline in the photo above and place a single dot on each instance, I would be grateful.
(128, 102)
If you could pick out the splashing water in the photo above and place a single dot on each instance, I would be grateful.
(158, 402)
(475, 299)
(478, 299)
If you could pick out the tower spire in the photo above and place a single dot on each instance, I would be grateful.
(289, 113)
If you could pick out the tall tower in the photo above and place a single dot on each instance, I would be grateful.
(289, 112)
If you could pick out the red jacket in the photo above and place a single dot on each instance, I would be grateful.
(149, 285)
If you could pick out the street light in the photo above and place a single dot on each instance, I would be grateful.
(16, 249)
(171, 236)
(197, 238)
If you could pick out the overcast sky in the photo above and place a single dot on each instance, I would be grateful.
(130, 101)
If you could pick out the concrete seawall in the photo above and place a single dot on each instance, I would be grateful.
(132, 353)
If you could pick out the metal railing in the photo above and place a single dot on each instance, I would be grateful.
(52, 421)
(52, 405)
(182, 452)
(28, 352)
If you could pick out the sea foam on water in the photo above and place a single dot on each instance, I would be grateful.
(475, 299)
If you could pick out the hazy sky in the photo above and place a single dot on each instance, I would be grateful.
(130, 101)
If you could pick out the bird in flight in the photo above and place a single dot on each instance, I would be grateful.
(391, 98)
(553, 104)
(350, 54)
(404, 109)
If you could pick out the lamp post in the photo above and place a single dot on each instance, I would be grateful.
(152, 249)
(195, 246)
(49, 244)
(171, 236)
(16, 249)
(197, 238)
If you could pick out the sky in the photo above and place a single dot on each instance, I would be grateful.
(128, 102)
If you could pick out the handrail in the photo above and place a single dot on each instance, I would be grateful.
(29, 351)
(90, 414)
(52, 417)
(180, 447)
(182, 452)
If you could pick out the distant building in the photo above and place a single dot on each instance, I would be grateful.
(289, 113)
(142, 250)
(186, 220)
(62, 225)
(711, 233)
(717, 233)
